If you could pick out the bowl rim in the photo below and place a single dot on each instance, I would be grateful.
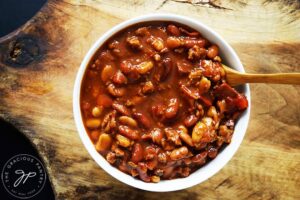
(210, 168)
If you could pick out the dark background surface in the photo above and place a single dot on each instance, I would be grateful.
(13, 14)
(13, 143)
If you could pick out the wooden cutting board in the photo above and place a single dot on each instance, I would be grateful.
(38, 64)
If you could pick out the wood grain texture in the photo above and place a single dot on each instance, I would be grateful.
(38, 64)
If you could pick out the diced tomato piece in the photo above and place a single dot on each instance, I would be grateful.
(236, 104)
(206, 99)
(230, 105)
(225, 90)
(242, 102)
(104, 100)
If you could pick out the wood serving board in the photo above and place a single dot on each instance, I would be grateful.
(39, 61)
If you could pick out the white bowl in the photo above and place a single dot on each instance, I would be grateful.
(229, 57)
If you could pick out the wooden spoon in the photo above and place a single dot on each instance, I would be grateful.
(234, 77)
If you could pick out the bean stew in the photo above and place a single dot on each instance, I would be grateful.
(155, 101)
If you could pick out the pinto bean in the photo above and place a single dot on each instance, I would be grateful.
(214, 71)
(93, 123)
(158, 44)
(111, 157)
(168, 171)
(190, 42)
(173, 136)
(114, 44)
(151, 164)
(134, 42)
(167, 145)
(128, 132)
(157, 135)
(200, 146)
(109, 121)
(184, 171)
(208, 121)
(168, 65)
(146, 136)
(195, 74)
(157, 57)
(198, 132)
(134, 172)
(107, 72)
(123, 167)
(212, 51)
(119, 78)
(189, 33)
(106, 56)
(162, 157)
(142, 119)
(204, 84)
(212, 152)
(134, 75)
(126, 67)
(137, 153)
(226, 133)
(158, 110)
(173, 42)
(163, 69)
(212, 112)
(172, 108)
(149, 153)
(142, 170)
(132, 165)
(123, 141)
(115, 91)
(128, 121)
(187, 161)
(155, 179)
(135, 100)
(148, 87)
(119, 152)
(121, 108)
(220, 141)
(200, 110)
(144, 67)
(97, 111)
(143, 31)
(196, 52)
(200, 158)
(219, 59)
(173, 30)
(183, 134)
(190, 120)
(179, 153)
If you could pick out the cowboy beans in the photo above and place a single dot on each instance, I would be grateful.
(155, 101)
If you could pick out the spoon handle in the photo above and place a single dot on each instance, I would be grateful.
(235, 77)
(279, 78)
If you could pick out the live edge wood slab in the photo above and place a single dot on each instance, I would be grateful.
(39, 61)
